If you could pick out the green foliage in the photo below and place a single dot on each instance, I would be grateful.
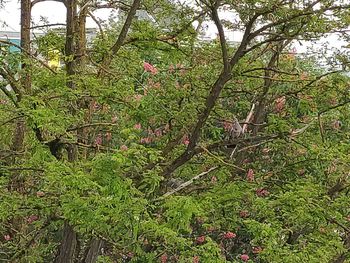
(98, 143)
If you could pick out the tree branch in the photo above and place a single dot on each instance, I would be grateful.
(117, 45)
(220, 28)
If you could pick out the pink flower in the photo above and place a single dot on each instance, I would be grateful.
(245, 257)
(167, 127)
(171, 68)
(114, 119)
(227, 125)
(146, 140)
(229, 235)
(40, 194)
(124, 147)
(250, 175)
(95, 105)
(98, 139)
(211, 229)
(301, 172)
(280, 103)
(137, 126)
(156, 85)
(7, 237)
(108, 136)
(200, 239)
(214, 179)
(303, 76)
(138, 97)
(32, 219)
(150, 68)
(158, 132)
(164, 258)
(195, 259)
(265, 150)
(257, 250)
(261, 192)
(244, 213)
(186, 140)
(336, 125)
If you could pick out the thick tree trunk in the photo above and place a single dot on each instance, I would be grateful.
(18, 137)
(93, 251)
(68, 245)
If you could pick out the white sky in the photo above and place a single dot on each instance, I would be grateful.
(56, 12)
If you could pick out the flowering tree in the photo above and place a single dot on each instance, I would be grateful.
(151, 145)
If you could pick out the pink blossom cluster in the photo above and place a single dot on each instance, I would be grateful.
(150, 68)
(261, 192)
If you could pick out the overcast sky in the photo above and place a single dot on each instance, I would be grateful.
(55, 12)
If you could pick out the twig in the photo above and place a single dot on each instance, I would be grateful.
(29, 54)
(92, 125)
(247, 120)
(187, 183)
(320, 126)
(220, 160)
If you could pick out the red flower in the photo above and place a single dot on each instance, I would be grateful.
(229, 235)
(150, 68)
(164, 258)
(7, 237)
(250, 175)
(245, 257)
(200, 239)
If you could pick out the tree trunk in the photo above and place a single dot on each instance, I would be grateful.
(68, 245)
(93, 251)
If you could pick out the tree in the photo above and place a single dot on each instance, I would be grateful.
(127, 154)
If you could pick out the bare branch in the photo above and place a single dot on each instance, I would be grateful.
(189, 182)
